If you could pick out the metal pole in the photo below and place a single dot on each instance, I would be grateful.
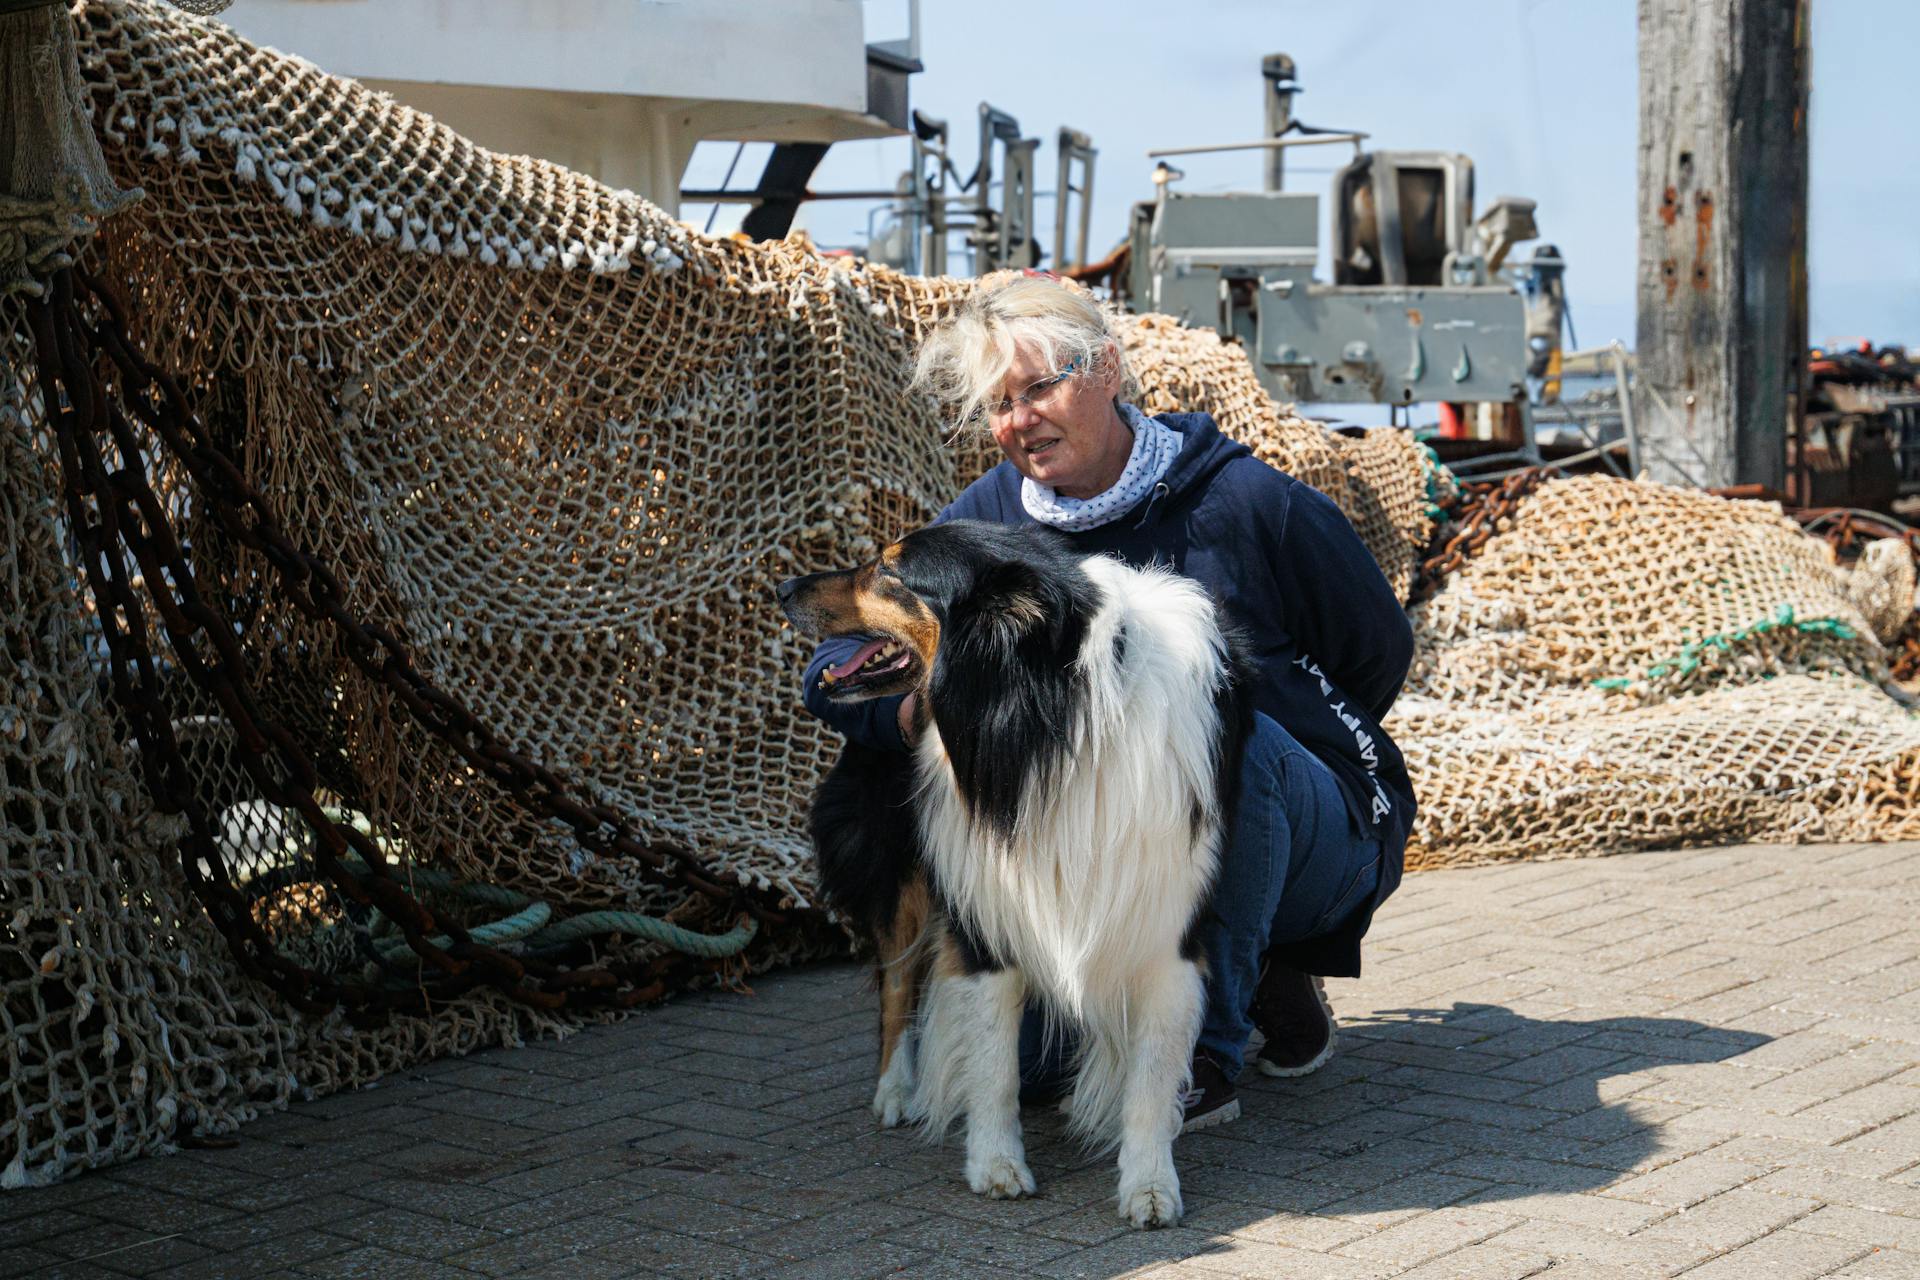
(721, 195)
(1062, 193)
(990, 240)
(1624, 389)
(1275, 144)
(930, 191)
(1086, 209)
(1072, 145)
(1276, 77)
(1016, 204)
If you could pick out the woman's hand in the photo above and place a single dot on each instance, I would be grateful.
(908, 729)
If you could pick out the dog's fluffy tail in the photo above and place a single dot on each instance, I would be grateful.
(1098, 1099)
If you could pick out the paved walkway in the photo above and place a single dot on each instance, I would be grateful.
(1701, 1063)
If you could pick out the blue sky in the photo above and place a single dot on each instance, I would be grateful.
(1541, 93)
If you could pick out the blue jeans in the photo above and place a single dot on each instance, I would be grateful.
(1294, 868)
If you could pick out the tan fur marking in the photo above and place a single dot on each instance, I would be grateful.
(946, 953)
(833, 597)
(914, 624)
(902, 966)
(847, 604)
(1023, 612)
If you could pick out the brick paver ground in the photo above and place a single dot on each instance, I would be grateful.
(1702, 1062)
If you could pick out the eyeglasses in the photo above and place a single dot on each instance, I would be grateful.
(1035, 394)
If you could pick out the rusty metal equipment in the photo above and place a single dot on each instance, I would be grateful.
(1858, 443)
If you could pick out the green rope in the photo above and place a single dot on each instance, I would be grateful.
(1688, 660)
(1431, 469)
(651, 929)
(522, 924)
(532, 920)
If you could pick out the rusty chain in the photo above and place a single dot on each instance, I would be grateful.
(1845, 529)
(1483, 510)
(1487, 509)
(116, 516)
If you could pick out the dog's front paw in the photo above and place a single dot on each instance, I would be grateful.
(1155, 1203)
(1001, 1177)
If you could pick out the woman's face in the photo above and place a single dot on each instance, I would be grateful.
(1070, 438)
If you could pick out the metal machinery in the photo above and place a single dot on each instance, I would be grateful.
(1858, 444)
(992, 205)
(1075, 149)
(1424, 305)
(1411, 326)
(1428, 304)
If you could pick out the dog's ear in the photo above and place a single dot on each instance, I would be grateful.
(1012, 595)
(1019, 602)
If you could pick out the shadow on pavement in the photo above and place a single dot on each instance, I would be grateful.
(1420, 1109)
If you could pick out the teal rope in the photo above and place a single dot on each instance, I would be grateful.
(521, 924)
(651, 929)
(1431, 469)
(532, 921)
(1687, 661)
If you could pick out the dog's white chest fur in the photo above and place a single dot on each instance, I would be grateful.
(1112, 856)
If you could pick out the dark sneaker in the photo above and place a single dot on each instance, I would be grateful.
(1211, 1099)
(1291, 1010)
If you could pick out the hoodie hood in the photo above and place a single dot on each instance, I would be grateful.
(1204, 449)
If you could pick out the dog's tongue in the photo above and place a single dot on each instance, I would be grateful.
(853, 664)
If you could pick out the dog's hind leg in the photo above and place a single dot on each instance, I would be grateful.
(902, 971)
(970, 1062)
(1164, 1023)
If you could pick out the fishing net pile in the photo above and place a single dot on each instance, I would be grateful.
(1631, 666)
(564, 446)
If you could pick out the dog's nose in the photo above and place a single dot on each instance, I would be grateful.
(784, 592)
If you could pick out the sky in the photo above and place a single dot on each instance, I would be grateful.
(1540, 93)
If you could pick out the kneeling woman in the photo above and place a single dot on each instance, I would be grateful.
(1325, 802)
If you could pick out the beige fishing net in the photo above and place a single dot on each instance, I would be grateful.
(1630, 666)
(565, 445)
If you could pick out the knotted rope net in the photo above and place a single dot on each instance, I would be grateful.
(480, 474)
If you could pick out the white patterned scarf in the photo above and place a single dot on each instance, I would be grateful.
(1155, 445)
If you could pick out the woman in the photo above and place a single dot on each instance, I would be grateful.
(1325, 803)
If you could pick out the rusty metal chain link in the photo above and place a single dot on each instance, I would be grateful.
(1846, 530)
(121, 527)
(1483, 510)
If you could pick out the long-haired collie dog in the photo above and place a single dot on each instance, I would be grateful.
(1052, 836)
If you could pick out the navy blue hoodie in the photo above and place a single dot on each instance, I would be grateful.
(1330, 642)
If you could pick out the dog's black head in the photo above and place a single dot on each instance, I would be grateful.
(965, 590)
(987, 621)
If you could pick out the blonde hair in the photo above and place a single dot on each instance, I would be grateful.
(964, 362)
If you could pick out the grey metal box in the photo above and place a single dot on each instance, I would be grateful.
(1242, 221)
(1358, 344)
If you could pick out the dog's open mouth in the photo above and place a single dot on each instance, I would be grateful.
(879, 661)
